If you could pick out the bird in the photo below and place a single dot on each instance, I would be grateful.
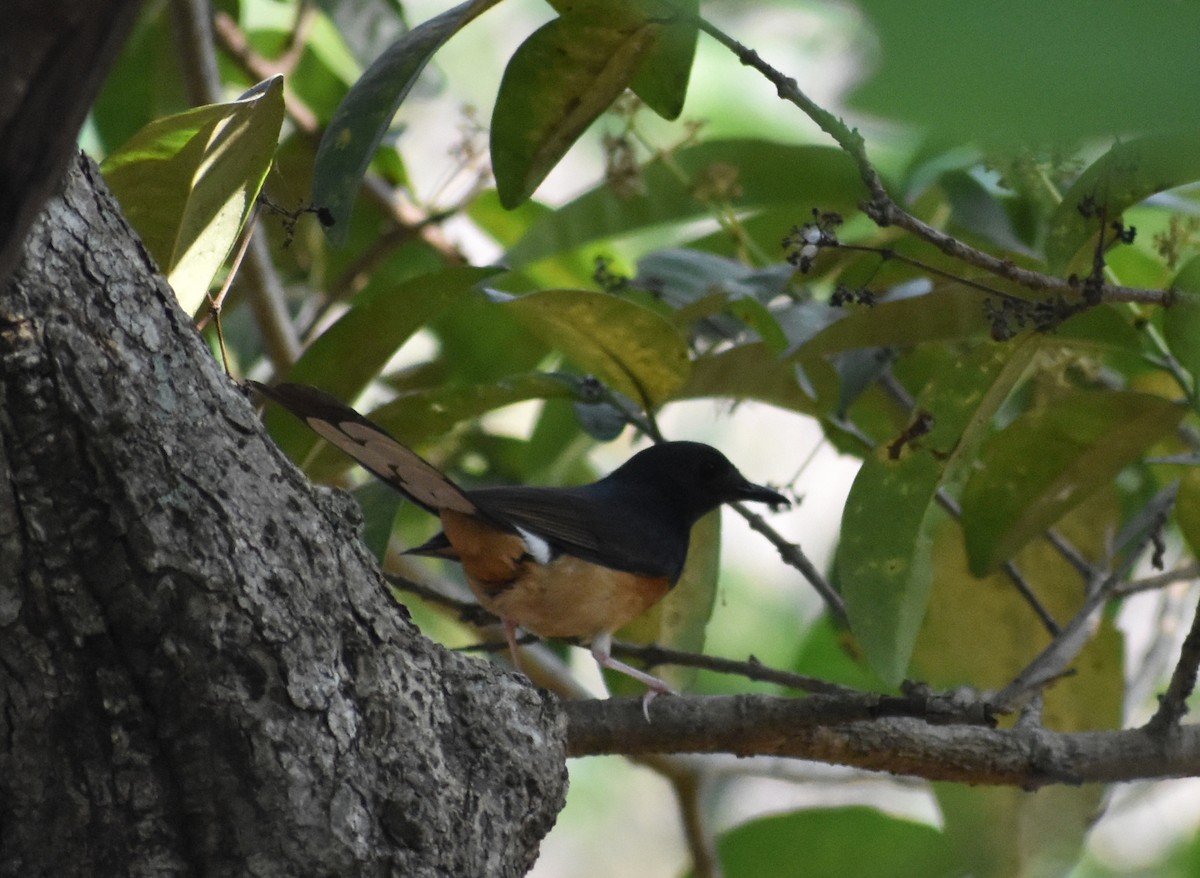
(560, 562)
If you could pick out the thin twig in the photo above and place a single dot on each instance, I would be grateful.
(473, 614)
(886, 212)
(794, 556)
(1159, 581)
(1172, 705)
(688, 786)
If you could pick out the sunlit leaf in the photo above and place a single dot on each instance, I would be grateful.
(555, 85)
(631, 348)
(365, 114)
(187, 183)
(1128, 173)
(1051, 459)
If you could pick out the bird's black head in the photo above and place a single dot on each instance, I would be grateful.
(696, 477)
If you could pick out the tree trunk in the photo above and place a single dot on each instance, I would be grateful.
(200, 669)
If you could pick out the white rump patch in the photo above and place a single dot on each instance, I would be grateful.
(536, 546)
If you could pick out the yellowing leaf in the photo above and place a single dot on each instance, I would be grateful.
(187, 183)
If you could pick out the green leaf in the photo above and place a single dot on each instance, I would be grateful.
(365, 114)
(949, 313)
(1033, 71)
(187, 183)
(555, 85)
(662, 79)
(347, 355)
(1181, 323)
(1128, 173)
(752, 371)
(1051, 459)
(764, 174)
(884, 558)
(852, 842)
(627, 346)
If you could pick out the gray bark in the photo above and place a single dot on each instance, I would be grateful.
(200, 669)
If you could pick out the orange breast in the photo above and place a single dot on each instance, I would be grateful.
(568, 597)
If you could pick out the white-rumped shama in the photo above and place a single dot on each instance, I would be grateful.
(559, 562)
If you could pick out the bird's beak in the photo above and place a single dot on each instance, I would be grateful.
(760, 494)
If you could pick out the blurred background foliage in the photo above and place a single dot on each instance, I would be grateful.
(501, 231)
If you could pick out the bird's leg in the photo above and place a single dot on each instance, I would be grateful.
(510, 634)
(602, 653)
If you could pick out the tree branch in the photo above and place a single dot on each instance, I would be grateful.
(831, 729)
(886, 212)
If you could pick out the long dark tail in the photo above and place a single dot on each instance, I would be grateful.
(371, 446)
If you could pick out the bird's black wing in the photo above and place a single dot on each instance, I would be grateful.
(625, 533)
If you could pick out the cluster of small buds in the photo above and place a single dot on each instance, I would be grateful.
(803, 243)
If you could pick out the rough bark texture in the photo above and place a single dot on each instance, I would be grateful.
(54, 55)
(200, 671)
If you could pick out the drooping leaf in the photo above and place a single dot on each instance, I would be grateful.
(627, 346)
(1128, 173)
(884, 558)
(1051, 459)
(662, 79)
(1187, 508)
(556, 84)
(187, 183)
(752, 371)
(362, 119)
